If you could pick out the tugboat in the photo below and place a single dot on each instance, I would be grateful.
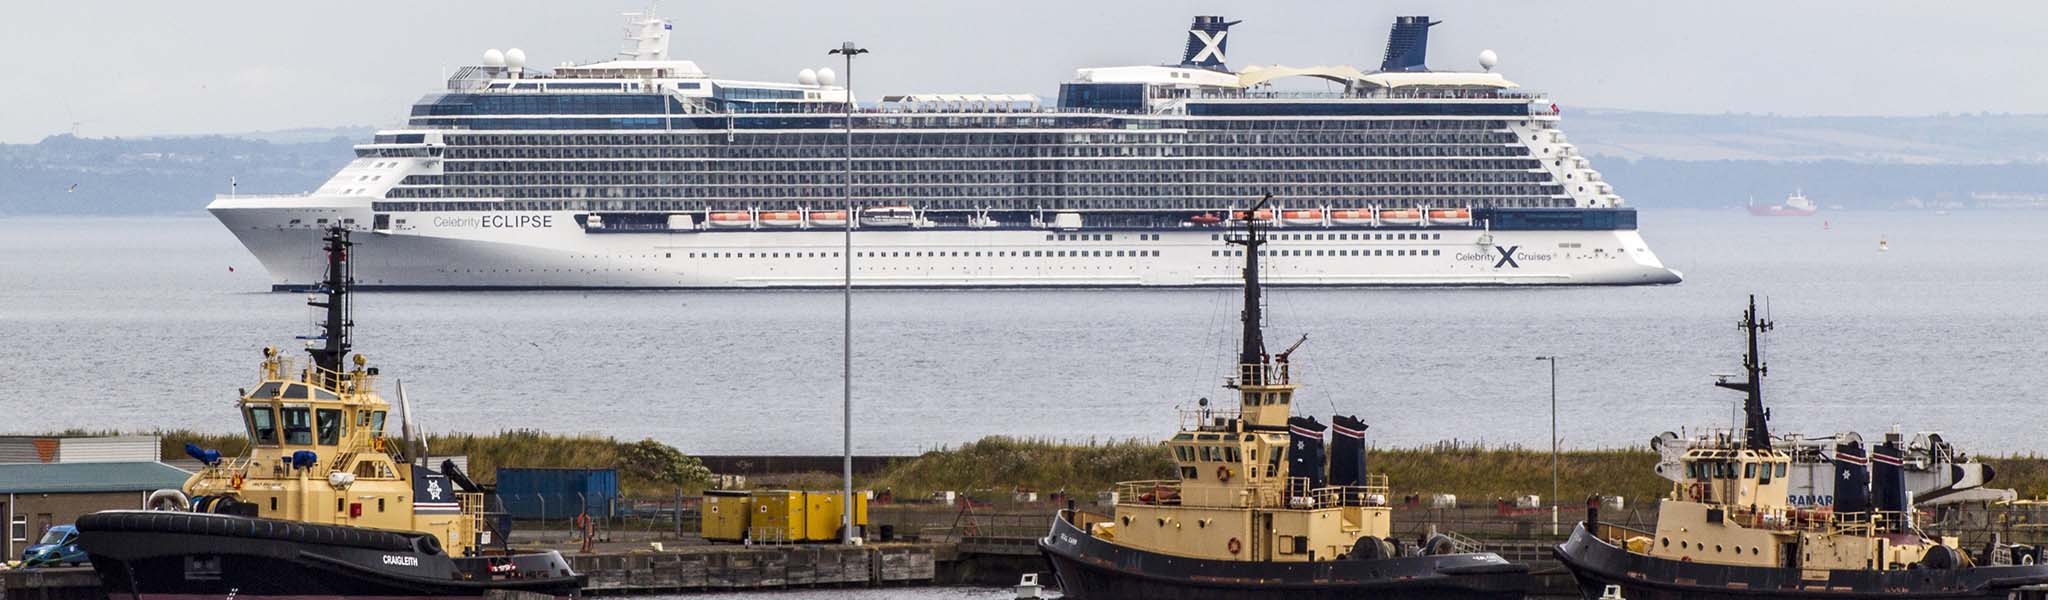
(322, 505)
(1252, 515)
(1729, 528)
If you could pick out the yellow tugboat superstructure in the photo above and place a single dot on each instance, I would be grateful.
(318, 454)
(1258, 509)
(322, 504)
(1729, 528)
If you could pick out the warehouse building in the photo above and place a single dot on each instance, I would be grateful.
(46, 481)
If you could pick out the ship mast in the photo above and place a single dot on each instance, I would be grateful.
(1755, 428)
(1253, 350)
(334, 329)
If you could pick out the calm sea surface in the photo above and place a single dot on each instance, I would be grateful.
(140, 324)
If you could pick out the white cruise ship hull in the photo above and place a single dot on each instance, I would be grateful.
(551, 249)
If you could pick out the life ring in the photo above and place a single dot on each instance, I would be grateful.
(1699, 491)
(1223, 473)
(1235, 546)
(236, 481)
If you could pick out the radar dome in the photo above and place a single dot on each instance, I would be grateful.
(827, 77)
(494, 58)
(807, 77)
(515, 58)
(1487, 59)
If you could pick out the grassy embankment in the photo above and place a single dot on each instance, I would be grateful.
(1002, 464)
(1473, 473)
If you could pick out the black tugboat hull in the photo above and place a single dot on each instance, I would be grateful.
(1597, 564)
(187, 556)
(1089, 568)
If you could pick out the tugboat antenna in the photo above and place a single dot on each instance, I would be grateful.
(334, 330)
(1756, 427)
(1253, 350)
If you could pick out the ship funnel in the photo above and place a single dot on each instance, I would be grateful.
(1408, 44)
(1347, 451)
(1888, 477)
(1304, 453)
(1852, 479)
(1206, 40)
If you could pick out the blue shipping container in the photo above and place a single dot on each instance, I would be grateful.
(530, 493)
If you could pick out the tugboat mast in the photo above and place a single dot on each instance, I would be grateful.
(334, 329)
(1755, 427)
(1253, 351)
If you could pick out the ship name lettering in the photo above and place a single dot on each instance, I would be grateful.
(403, 561)
(517, 221)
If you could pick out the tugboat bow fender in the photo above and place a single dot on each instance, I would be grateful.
(244, 527)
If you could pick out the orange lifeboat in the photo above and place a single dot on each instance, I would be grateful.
(1454, 216)
(1401, 216)
(1348, 216)
(1264, 216)
(1205, 219)
(731, 219)
(1302, 217)
(828, 218)
(782, 218)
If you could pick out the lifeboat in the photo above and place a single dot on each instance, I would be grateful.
(888, 216)
(1264, 216)
(1453, 216)
(730, 219)
(828, 218)
(782, 218)
(1362, 216)
(1401, 216)
(1302, 217)
(1205, 219)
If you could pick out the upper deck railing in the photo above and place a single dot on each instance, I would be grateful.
(1261, 374)
(1294, 494)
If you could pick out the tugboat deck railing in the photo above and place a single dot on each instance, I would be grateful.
(1276, 373)
(1295, 495)
(1818, 521)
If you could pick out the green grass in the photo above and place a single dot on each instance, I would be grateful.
(1474, 473)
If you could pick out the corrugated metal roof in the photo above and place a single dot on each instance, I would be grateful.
(50, 478)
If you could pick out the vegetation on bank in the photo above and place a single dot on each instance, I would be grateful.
(1476, 474)
(646, 467)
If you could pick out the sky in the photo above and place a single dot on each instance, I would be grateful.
(136, 68)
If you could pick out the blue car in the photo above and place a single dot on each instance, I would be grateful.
(58, 547)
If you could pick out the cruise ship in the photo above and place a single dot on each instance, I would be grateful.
(647, 172)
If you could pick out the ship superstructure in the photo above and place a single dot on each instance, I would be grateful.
(646, 171)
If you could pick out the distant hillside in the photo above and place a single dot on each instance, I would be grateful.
(170, 175)
(1654, 160)
(1959, 139)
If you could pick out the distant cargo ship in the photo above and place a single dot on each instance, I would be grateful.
(1796, 205)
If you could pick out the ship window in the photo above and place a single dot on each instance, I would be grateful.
(1230, 454)
(295, 391)
(267, 390)
(329, 420)
(1749, 470)
(263, 426)
(377, 423)
(380, 505)
(298, 425)
(321, 394)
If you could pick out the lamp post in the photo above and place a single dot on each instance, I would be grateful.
(1552, 359)
(848, 50)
